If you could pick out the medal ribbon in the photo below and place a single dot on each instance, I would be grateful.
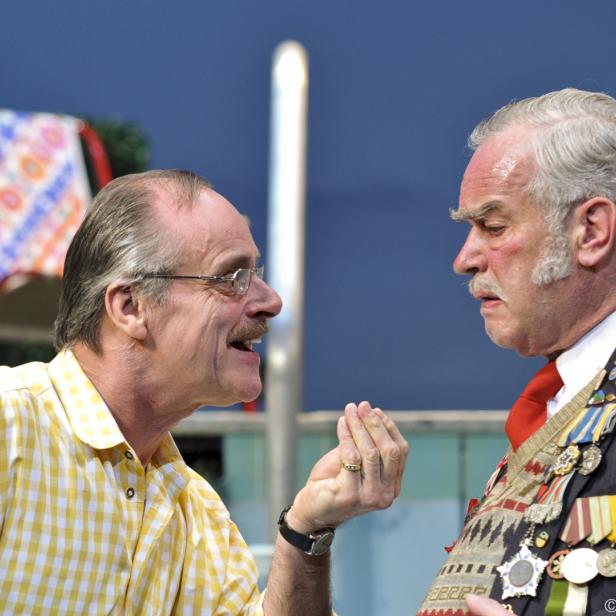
(550, 499)
(612, 535)
(581, 428)
(600, 518)
(589, 426)
(577, 598)
(555, 492)
(610, 420)
(558, 596)
(563, 441)
(608, 412)
(567, 599)
(584, 432)
(578, 525)
(495, 475)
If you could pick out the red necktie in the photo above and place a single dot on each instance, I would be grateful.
(529, 412)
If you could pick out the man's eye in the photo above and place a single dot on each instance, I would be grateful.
(228, 274)
(494, 229)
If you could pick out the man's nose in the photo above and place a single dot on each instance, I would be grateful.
(266, 301)
(471, 258)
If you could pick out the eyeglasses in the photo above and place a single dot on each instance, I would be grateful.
(239, 280)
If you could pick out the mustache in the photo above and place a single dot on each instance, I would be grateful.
(476, 286)
(257, 329)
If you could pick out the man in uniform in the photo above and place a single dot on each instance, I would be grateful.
(539, 195)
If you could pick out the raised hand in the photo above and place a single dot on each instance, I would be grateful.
(362, 474)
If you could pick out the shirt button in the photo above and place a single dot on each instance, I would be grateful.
(130, 492)
(128, 455)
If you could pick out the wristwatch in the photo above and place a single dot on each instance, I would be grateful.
(314, 544)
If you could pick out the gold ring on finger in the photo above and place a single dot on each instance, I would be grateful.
(354, 468)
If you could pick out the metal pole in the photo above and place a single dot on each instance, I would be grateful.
(285, 270)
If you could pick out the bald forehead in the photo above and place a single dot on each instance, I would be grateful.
(209, 233)
(503, 165)
(506, 157)
(174, 207)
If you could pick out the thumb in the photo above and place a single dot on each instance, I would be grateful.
(481, 606)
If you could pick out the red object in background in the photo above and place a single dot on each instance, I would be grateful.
(96, 150)
(250, 407)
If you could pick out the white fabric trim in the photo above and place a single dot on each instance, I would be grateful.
(582, 361)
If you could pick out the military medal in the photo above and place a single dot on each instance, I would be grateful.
(580, 566)
(554, 568)
(536, 513)
(521, 575)
(549, 504)
(570, 569)
(541, 539)
(591, 458)
(606, 562)
(566, 461)
(598, 397)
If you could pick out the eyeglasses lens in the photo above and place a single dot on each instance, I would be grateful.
(242, 280)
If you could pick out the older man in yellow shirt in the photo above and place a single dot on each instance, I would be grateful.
(162, 300)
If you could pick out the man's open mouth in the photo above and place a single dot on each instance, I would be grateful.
(245, 345)
(242, 339)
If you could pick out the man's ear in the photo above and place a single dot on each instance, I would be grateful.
(126, 310)
(594, 231)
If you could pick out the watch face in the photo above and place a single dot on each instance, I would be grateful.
(322, 542)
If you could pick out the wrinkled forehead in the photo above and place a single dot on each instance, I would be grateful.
(206, 231)
(503, 163)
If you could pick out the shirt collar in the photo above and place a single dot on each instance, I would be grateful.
(91, 418)
(87, 412)
(580, 363)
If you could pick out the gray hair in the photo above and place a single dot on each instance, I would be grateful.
(120, 239)
(575, 148)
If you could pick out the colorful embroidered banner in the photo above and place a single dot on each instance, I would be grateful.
(44, 191)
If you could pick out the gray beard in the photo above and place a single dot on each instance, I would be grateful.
(555, 263)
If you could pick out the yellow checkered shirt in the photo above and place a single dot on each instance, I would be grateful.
(86, 529)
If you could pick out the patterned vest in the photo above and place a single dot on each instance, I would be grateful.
(494, 532)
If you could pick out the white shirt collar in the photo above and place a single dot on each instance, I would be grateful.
(583, 360)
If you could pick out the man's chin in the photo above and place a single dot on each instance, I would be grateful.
(250, 393)
(500, 337)
(510, 341)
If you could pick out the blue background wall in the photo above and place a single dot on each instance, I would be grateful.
(395, 88)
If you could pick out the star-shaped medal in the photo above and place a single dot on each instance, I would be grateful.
(521, 575)
(566, 461)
